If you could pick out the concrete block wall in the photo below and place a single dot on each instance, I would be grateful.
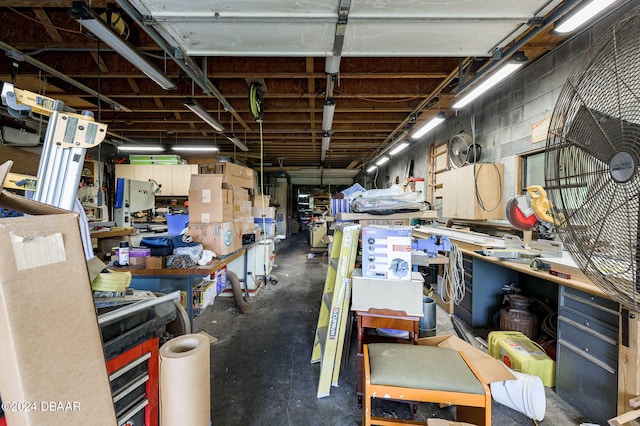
(502, 119)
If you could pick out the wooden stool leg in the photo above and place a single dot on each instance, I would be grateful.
(366, 380)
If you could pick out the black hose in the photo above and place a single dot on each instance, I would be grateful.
(237, 292)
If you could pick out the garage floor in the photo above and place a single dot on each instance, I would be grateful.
(260, 367)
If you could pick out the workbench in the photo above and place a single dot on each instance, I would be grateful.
(167, 280)
(587, 325)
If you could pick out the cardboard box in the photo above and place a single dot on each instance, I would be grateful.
(385, 222)
(240, 225)
(242, 209)
(208, 202)
(203, 293)
(210, 206)
(247, 225)
(239, 193)
(259, 200)
(154, 262)
(235, 174)
(221, 238)
(137, 261)
(316, 234)
(47, 355)
(268, 212)
(490, 369)
(399, 295)
(386, 252)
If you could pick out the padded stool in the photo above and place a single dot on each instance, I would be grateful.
(417, 373)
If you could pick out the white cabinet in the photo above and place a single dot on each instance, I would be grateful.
(174, 180)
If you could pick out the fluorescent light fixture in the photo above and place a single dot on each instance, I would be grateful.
(581, 16)
(332, 64)
(327, 116)
(381, 161)
(372, 168)
(431, 124)
(194, 148)
(237, 142)
(85, 16)
(508, 69)
(199, 110)
(399, 148)
(326, 139)
(140, 148)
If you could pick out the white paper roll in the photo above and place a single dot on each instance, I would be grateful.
(185, 381)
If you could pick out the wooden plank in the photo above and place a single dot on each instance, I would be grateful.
(628, 360)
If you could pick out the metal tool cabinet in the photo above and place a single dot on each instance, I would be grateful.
(483, 291)
(587, 357)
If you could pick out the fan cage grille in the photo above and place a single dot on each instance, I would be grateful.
(592, 161)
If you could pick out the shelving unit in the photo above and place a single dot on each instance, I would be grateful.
(320, 203)
(304, 209)
(438, 164)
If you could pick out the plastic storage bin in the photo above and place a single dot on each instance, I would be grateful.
(268, 227)
(176, 223)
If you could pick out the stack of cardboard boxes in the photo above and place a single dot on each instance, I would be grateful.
(220, 209)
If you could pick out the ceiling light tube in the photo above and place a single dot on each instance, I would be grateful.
(85, 16)
(508, 69)
(581, 16)
(199, 110)
(431, 124)
(327, 116)
(140, 148)
(237, 142)
(194, 148)
(372, 168)
(399, 148)
(332, 64)
(381, 161)
(326, 139)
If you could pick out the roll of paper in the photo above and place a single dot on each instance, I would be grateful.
(185, 381)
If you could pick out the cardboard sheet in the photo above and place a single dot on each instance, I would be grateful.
(488, 367)
(52, 365)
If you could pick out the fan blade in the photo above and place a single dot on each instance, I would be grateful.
(596, 133)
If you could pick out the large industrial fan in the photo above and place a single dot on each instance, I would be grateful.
(462, 150)
(592, 162)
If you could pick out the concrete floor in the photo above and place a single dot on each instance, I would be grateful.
(261, 372)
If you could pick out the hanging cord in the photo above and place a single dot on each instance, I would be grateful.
(264, 225)
(453, 277)
(476, 172)
(255, 108)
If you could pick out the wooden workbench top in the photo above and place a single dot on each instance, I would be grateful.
(578, 280)
(215, 265)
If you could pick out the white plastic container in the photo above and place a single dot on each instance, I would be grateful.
(123, 253)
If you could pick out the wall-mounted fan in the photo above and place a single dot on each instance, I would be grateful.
(462, 150)
(592, 162)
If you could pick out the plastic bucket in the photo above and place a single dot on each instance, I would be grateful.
(525, 394)
(176, 223)
(427, 324)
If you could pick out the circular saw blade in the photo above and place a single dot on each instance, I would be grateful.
(517, 218)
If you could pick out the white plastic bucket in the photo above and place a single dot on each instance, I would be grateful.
(525, 394)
